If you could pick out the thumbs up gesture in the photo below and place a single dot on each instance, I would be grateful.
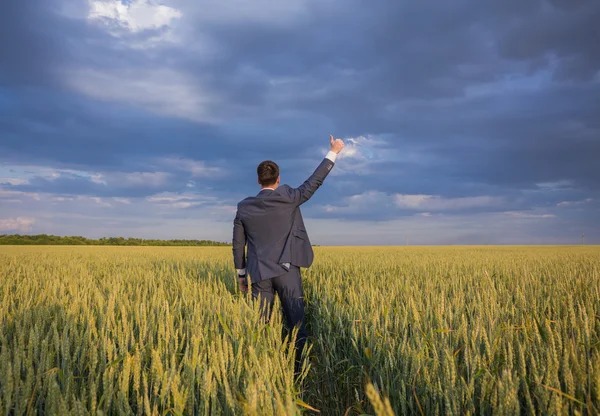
(337, 145)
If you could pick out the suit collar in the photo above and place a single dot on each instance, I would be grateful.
(265, 191)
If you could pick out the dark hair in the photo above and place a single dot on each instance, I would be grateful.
(268, 172)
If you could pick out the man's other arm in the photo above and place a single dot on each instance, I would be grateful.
(239, 245)
(303, 193)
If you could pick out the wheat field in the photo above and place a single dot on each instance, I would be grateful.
(393, 330)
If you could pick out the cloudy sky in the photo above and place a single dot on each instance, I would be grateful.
(466, 121)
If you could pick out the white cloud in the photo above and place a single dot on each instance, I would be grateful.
(520, 214)
(111, 178)
(185, 200)
(28, 172)
(152, 179)
(196, 168)
(136, 16)
(169, 197)
(574, 203)
(141, 24)
(362, 148)
(161, 91)
(185, 204)
(555, 186)
(375, 200)
(411, 201)
(459, 229)
(13, 181)
(125, 201)
(83, 198)
(25, 173)
(97, 178)
(361, 154)
(438, 203)
(95, 199)
(8, 194)
(176, 200)
(22, 224)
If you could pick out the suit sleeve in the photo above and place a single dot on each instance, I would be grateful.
(239, 243)
(303, 193)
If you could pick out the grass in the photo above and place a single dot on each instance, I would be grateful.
(406, 330)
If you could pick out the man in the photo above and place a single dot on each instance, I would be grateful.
(271, 224)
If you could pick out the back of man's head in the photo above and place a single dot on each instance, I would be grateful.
(268, 172)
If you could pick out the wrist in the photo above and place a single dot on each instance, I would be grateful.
(331, 155)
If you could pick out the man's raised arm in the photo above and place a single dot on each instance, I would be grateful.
(303, 193)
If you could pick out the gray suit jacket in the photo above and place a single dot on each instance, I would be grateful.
(271, 224)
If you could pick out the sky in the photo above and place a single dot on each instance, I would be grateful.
(465, 122)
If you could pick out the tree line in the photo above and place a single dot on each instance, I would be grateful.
(44, 239)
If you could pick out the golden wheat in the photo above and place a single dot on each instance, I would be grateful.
(162, 330)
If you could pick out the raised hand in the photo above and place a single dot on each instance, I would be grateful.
(337, 145)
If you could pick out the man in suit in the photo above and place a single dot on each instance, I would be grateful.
(271, 225)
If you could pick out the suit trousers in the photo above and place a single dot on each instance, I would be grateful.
(289, 289)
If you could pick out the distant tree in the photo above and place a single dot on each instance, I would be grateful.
(43, 239)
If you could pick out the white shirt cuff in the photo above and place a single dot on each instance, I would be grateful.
(241, 271)
(331, 156)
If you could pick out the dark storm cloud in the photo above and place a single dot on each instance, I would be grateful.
(468, 98)
(413, 57)
(563, 31)
(27, 50)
